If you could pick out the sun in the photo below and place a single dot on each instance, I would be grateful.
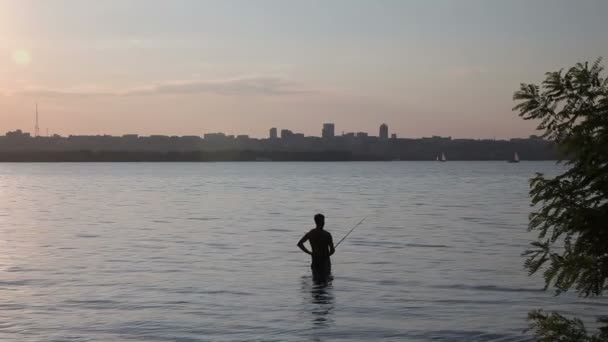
(21, 57)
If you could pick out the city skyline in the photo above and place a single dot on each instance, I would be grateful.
(429, 68)
(36, 131)
(383, 133)
(289, 146)
(273, 132)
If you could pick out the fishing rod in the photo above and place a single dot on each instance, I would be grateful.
(350, 231)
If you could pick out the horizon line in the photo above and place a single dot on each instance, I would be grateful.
(247, 136)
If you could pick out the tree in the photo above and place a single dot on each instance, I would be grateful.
(572, 222)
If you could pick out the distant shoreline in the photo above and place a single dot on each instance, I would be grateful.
(21, 147)
(209, 156)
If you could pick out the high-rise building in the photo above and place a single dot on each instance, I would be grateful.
(273, 133)
(328, 130)
(383, 131)
(286, 134)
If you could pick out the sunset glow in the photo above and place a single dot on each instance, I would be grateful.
(21, 57)
(444, 68)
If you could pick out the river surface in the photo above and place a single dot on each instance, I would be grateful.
(207, 252)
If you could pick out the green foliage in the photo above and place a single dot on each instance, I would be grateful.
(554, 327)
(572, 222)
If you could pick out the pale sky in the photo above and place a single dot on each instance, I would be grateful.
(188, 67)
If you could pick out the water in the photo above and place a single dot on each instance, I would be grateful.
(207, 252)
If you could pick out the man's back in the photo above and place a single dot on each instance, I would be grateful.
(322, 248)
(321, 242)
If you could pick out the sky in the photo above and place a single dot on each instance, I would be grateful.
(442, 67)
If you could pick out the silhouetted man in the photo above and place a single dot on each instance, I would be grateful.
(322, 248)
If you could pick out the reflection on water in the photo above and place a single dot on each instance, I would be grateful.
(321, 303)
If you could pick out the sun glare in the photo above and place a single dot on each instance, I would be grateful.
(21, 57)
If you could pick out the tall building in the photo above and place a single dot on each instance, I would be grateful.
(273, 133)
(383, 131)
(328, 130)
(286, 134)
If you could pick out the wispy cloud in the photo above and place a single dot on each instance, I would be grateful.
(237, 86)
(466, 71)
(243, 86)
(55, 92)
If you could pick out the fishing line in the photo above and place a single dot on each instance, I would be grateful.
(350, 231)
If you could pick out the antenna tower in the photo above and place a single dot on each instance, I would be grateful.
(37, 128)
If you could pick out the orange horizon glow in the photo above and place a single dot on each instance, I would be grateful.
(153, 67)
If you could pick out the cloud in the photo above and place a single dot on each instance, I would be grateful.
(467, 71)
(237, 86)
(49, 92)
(244, 86)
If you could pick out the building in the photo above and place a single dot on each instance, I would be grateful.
(273, 133)
(383, 131)
(215, 137)
(393, 136)
(286, 134)
(17, 134)
(361, 135)
(328, 131)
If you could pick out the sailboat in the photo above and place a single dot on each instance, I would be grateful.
(442, 159)
(515, 158)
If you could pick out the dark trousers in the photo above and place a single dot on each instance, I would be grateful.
(321, 269)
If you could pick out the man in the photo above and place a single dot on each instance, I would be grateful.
(322, 248)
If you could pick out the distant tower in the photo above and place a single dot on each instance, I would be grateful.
(273, 133)
(328, 130)
(383, 131)
(37, 128)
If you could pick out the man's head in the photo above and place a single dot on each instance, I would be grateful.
(320, 220)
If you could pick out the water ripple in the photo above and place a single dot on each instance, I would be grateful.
(207, 252)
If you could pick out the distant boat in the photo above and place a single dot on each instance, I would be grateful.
(442, 159)
(515, 158)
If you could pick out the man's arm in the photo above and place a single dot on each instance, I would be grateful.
(332, 248)
(301, 244)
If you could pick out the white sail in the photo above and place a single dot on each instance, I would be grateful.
(516, 157)
(443, 157)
